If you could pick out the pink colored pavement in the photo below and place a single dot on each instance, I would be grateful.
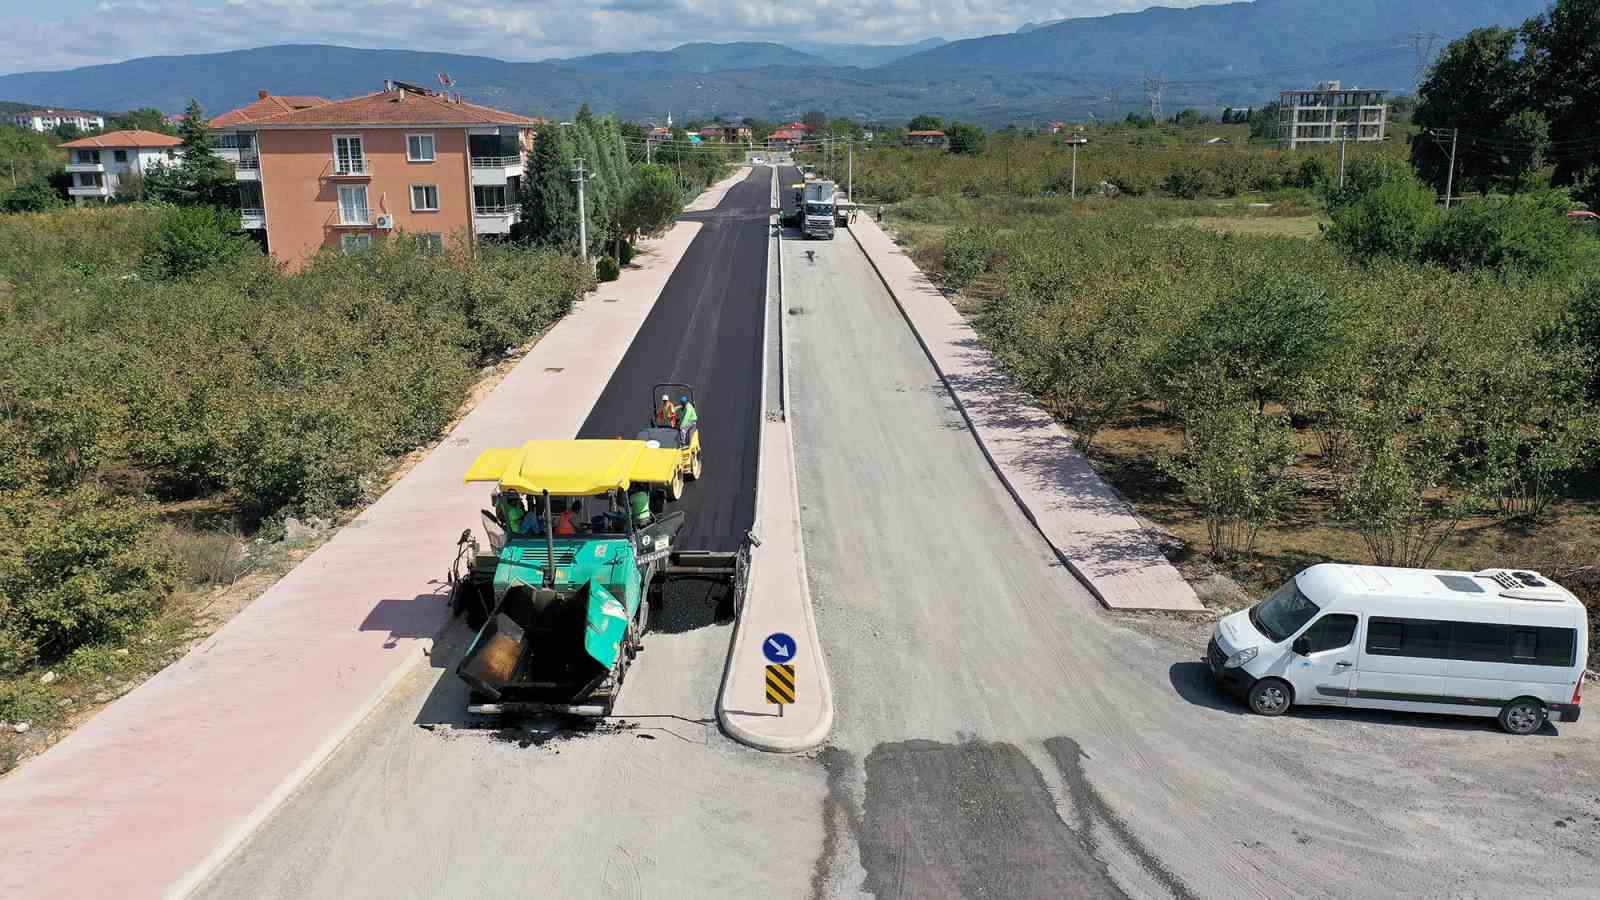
(1088, 525)
(149, 795)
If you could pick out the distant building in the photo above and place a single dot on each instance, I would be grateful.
(725, 134)
(98, 164)
(1331, 114)
(925, 138)
(1056, 127)
(786, 137)
(345, 173)
(42, 120)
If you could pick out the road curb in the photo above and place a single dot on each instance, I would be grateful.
(732, 671)
(1085, 578)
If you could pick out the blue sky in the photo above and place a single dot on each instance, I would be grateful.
(59, 34)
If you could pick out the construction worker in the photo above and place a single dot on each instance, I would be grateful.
(667, 414)
(688, 419)
(640, 501)
(567, 521)
(509, 505)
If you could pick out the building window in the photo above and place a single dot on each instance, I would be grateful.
(120, 156)
(419, 148)
(228, 140)
(349, 158)
(355, 243)
(424, 198)
(88, 156)
(430, 242)
(489, 198)
(353, 205)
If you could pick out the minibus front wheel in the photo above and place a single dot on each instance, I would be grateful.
(1270, 697)
(1524, 715)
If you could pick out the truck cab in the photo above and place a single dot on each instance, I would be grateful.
(819, 210)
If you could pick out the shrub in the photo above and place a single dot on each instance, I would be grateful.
(1528, 234)
(1234, 469)
(1188, 183)
(606, 269)
(32, 197)
(84, 569)
(1395, 219)
(1312, 173)
(967, 254)
(189, 239)
(625, 250)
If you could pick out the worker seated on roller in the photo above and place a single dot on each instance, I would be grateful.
(639, 500)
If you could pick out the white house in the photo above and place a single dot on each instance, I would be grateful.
(42, 120)
(98, 163)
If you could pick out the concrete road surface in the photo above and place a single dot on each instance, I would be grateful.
(999, 734)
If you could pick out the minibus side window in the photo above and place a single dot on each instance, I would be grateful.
(1477, 642)
(1408, 637)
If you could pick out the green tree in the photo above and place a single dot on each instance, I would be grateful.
(965, 138)
(814, 119)
(549, 204)
(1475, 85)
(200, 177)
(925, 122)
(1528, 234)
(1527, 139)
(652, 202)
(143, 119)
(31, 196)
(1563, 80)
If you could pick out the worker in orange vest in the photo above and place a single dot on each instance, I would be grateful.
(567, 520)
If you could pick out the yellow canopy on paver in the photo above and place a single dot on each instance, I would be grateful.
(578, 468)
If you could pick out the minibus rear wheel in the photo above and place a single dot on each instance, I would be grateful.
(1270, 697)
(1524, 715)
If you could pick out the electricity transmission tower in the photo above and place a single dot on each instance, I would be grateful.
(1423, 44)
(1153, 89)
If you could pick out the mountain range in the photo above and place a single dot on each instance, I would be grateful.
(1208, 56)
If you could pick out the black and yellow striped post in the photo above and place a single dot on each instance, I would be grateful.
(780, 685)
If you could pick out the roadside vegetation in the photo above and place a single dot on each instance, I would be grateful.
(1280, 370)
(169, 399)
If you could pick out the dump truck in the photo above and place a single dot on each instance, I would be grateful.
(819, 209)
(580, 549)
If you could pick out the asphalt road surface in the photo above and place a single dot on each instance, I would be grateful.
(705, 331)
(999, 734)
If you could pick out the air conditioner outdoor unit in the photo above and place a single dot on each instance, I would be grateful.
(386, 221)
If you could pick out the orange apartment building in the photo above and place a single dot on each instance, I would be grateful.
(405, 160)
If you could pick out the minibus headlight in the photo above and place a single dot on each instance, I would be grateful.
(1240, 658)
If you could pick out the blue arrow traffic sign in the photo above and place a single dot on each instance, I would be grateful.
(778, 647)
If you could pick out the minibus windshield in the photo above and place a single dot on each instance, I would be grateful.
(1283, 613)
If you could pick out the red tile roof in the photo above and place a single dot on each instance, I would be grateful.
(264, 106)
(394, 107)
(133, 138)
(924, 134)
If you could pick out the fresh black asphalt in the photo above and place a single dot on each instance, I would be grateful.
(706, 330)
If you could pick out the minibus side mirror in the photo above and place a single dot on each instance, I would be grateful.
(1301, 646)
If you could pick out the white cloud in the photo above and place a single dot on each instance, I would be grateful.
(74, 33)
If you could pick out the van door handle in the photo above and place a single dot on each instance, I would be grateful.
(1343, 664)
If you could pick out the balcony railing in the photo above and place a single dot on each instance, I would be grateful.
(496, 162)
(252, 217)
(356, 166)
(248, 162)
(352, 216)
(495, 210)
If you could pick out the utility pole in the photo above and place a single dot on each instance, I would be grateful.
(1450, 179)
(1077, 138)
(850, 171)
(583, 212)
(1344, 135)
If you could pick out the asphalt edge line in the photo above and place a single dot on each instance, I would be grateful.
(197, 875)
(1027, 512)
(824, 726)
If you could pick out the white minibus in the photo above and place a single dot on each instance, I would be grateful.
(1502, 642)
